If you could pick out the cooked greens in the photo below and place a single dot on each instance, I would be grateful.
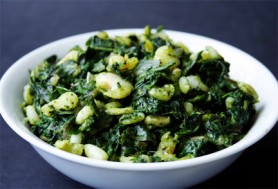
(138, 98)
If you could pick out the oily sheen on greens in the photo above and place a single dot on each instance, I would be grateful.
(178, 105)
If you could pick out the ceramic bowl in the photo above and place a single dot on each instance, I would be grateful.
(177, 174)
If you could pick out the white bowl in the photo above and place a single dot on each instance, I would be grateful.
(177, 174)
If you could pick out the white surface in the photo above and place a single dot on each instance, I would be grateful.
(171, 174)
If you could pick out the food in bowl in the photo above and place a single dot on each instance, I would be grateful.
(138, 98)
(171, 174)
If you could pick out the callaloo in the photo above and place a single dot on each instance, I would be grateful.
(138, 98)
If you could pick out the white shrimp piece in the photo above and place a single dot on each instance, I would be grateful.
(148, 46)
(185, 48)
(94, 152)
(54, 80)
(176, 74)
(76, 139)
(84, 114)
(163, 93)
(184, 85)
(122, 63)
(119, 111)
(165, 55)
(191, 82)
(72, 55)
(195, 82)
(66, 101)
(210, 53)
(32, 115)
(67, 146)
(113, 104)
(248, 89)
(188, 107)
(112, 85)
(132, 159)
(115, 59)
(130, 63)
(47, 109)
(28, 97)
(124, 40)
(159, 121)
(167, 143)
(115, 108)
(102, 35)
(131, 118)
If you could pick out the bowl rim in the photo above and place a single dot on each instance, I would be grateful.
(36, 142)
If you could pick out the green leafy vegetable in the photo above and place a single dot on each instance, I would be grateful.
(138, 98)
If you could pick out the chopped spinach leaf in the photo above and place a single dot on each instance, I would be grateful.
(138, 98)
